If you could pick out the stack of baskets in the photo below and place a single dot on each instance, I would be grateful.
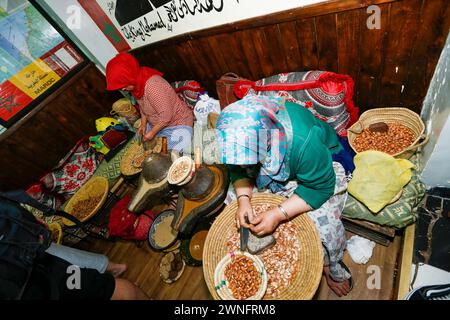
(401, 116)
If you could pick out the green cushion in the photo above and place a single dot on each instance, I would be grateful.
(397, 215)
(111, 169)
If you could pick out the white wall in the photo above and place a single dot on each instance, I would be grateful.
(435, 112)
(88, 33)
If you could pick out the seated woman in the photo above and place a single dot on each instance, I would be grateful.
(98, 277)
(163, 113)
(283, 147)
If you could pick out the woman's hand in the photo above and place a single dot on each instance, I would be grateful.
(153, 132)
(244, 209)
(266, 222)
(148, 136)
(141, 131)
(143, 126)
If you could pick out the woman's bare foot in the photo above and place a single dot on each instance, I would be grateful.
(339, 288)
(116, 269)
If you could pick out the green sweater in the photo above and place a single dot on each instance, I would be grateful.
(310, 163)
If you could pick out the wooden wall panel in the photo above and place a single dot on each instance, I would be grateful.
(347, 28)
(434, 20)
(372, 45)
(274, 45)
(35, 144)
(259, 41)
(307, 40)
(250, 55)
(327, 42)
(403, 26)
(290, 46)
(329, 36)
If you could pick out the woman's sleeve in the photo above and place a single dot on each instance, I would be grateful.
(160, 95)
(315, 174)
(237, 173)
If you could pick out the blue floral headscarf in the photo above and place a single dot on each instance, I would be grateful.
(256, 130)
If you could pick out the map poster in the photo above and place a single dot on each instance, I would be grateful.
(33, 58)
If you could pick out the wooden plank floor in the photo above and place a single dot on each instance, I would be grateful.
(143, 269)
(383, 257)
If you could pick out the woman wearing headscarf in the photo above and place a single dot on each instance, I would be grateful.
(163, 113)
(282, 147)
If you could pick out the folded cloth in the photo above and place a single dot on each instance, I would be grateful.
(378, 178)
(345, 156)
(360, 249)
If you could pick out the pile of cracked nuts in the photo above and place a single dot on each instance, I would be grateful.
(243, 278)
(391, 139)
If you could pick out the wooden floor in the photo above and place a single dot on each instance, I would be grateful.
(383, 257)
(143, 269)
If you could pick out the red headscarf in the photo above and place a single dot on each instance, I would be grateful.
(123, 70)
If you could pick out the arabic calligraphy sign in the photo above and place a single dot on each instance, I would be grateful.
(141, 22)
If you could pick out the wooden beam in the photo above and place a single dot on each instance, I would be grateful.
(406, 263)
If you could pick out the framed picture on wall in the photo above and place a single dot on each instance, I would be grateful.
(36, 58)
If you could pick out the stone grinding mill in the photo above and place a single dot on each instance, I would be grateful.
(201, 189)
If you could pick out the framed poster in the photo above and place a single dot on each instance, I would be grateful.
(35, 59)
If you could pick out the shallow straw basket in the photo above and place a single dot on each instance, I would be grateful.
(310, 262)
(401, 116)
(126, 163)
(94, 187)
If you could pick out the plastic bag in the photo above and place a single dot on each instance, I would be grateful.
(204, 106)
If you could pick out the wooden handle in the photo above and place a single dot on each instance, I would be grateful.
(117, 184)
(198, 157)
(231, 74)
(164, 145)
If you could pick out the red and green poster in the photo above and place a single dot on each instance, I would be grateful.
(33, 58)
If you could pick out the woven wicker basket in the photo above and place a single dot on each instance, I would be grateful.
(124, 108)
(57, 233)
(310, 261)
(94, 187)
(221, 283)
(402, 116)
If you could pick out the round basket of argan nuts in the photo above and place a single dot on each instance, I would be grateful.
(240, 276)
(398, 132)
